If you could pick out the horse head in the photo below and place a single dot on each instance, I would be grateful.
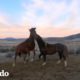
(33, 33)
(38, 38)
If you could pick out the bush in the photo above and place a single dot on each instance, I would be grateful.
(71, 52)
(78, 51)
(12, 49)
(7, 49)
(4, 50)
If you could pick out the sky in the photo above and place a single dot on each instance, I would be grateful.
(52, 18)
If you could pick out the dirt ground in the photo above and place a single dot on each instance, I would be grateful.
(51, 71)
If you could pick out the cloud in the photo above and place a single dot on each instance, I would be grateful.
(3, 18)
(15, 31)
(8, 29)
(51, 17)
(56, 32)
(53, 12)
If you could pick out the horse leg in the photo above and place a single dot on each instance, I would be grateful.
(41, 53)
(44, 59)
(31, 56)
(28, 56)
(65, 61)
(60, 57)
(24, 58)
(40, 56)
(65, 55)
(14, 60)
(34, 54)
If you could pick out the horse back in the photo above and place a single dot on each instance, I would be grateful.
(53, 48)
(25, 46)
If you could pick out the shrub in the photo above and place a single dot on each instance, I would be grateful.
(78, 51)
(71, 52)
(7, 49)
(12, 49)
(4, 50)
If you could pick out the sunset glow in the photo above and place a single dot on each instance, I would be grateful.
(52, 18)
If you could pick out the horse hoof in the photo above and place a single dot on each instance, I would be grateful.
(31, 60)
(65, 63)
(65, 66)
(13, 65)
(58, 62)
(24, 62)
(44, 64)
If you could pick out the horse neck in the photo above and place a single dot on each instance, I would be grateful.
(30, 36)
(40, 42)
(30, 39)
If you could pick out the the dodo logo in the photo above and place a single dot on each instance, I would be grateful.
(4, 74)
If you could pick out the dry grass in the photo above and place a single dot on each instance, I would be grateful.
(35, 71)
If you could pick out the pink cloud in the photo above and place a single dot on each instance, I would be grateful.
(23, 32)
(56, 32)
(13, 31)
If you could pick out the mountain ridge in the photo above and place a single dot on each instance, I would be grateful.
(70, 37)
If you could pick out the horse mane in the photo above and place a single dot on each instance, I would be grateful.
(40, 41)
(30, 39)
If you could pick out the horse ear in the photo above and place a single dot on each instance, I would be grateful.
(32, 29)
(29, 29)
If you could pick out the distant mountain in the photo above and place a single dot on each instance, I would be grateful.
(54, 39)
(75, 36)
(71, 37)
(10, 39)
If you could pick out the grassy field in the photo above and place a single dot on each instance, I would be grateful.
(51, 71)
(35, 71)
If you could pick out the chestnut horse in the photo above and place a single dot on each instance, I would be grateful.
(24, 48)
(49, 49)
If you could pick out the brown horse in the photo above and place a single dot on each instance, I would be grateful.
(49, 49)
(24, 48)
